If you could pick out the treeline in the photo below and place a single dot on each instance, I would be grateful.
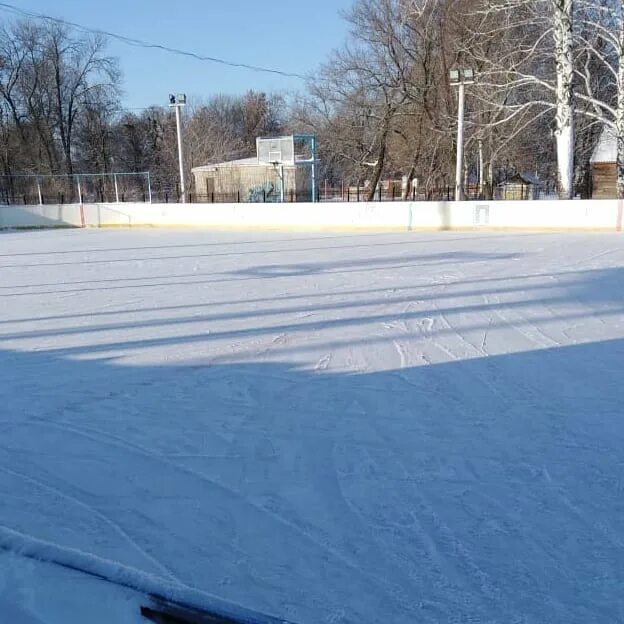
(61, 113)
(549, 78)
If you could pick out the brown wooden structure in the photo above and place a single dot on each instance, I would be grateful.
(603, 166)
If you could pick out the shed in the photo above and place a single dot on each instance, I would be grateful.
(243, 180)
(278, 171)
(604, 165)
(519, 186)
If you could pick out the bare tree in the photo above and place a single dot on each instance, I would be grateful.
(77, 70)
(51, 81)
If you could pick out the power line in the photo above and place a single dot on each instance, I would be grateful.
(146, 44)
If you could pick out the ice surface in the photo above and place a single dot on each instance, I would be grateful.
(328, 428)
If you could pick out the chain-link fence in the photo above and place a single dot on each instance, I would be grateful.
(34, 188)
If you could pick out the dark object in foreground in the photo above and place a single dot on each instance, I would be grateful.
(164, 612)
(178, 616)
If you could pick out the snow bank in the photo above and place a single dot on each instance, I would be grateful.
(131, 578)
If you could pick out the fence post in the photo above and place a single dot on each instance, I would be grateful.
(212, 197)
(264, 196)
(380, 191)
(358, 191)
(348, 194)
(238, 196)
(166, 197)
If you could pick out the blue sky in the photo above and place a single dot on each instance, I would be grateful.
(291, 35)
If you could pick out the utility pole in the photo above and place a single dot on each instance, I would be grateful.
(481, 173)
(178, 101)
(460, 78)
(112, 160)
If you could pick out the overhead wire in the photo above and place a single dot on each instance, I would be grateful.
(146, 44)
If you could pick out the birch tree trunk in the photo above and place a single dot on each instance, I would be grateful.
(619, 118)
(564, 61)
(378, 169)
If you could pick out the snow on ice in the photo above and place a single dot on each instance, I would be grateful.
(326, 428)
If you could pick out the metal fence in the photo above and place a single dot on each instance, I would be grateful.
(30, 189)
(351, 194)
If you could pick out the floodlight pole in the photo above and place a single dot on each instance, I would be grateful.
(180, 156)
(149, 187)
(79, 189)
(460, 140)
(314, 194)
(481, 174)
(178, 102)
(460, 78)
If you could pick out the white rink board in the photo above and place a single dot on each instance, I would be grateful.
(519, 215)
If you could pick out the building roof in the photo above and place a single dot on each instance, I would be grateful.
(530, 178)
(240, 162)
(606, 149)
(524, 178)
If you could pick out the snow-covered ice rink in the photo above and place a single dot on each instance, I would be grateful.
(330, 428)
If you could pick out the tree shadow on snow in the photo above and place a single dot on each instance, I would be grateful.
(487, 489)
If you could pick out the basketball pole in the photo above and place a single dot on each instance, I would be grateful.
(282, 190)
(279, 170)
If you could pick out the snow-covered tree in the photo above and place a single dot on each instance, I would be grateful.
(524, 51)
(563, 36)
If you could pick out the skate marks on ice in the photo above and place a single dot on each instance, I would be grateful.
(373, 432)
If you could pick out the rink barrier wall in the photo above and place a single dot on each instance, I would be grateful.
(398, 216)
